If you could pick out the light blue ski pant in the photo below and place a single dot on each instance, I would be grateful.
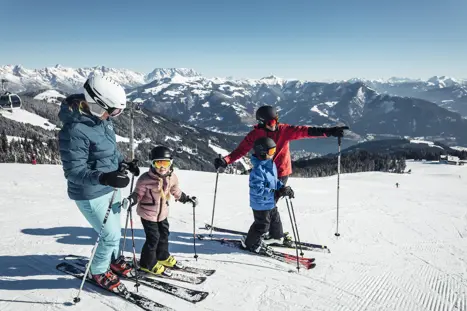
(94, 211)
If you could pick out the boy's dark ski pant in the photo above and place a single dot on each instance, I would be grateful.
(156, 246)
(265, 221)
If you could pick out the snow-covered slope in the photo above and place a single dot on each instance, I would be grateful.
(27, 117)
(50, 96)
(400, 248)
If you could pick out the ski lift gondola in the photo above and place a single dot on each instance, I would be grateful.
(9, 101)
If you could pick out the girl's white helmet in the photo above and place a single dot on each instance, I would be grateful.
(103, 94)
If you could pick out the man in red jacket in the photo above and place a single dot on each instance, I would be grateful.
(282, 134)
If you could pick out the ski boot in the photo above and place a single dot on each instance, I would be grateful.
(171, 262)
(287, 240)
(110, 282)
(158, 269)
(258, 249)
(121, 267)
(268, 240)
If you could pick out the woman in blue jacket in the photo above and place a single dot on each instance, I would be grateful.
(264, 187)
(92, 167)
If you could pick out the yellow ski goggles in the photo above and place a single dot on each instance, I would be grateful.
(162, 163)
(272, 151)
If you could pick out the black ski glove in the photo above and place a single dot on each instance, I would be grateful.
(316, 131)
(130, 201)
(286, 192)
(337, 131)
(186, 198)
(116, 179)
(133, 199)
(131, 166)
(220, 162)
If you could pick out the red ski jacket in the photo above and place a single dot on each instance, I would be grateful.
(281, 136)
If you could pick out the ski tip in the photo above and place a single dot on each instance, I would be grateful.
(204, 295)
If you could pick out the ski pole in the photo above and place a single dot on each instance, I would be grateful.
(88, 266)
(294, 235)
(124, 233)
(130, 213)
(194, 231)
(296, 226)
(214, 203)
(339, 140)
(134, 248)
(127, 214)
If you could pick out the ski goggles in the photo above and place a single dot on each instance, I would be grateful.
(273, 122)
(162, 163)
(99, 108)
(272, 151)
(114, 112)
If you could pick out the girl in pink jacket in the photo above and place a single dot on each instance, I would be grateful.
(152, 193)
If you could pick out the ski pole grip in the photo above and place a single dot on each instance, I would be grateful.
(123, 167)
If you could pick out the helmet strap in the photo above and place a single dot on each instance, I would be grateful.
(260, 157)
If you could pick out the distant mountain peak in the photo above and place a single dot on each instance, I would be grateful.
(68, 79)
(159, 73)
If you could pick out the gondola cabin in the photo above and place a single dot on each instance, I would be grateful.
(10, 102)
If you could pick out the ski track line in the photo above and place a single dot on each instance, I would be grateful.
(440, 281)
(429, 297)
(415, 297)
(375, 287)
(426, 289)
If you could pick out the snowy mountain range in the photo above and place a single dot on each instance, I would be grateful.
(229, 106)
(396, 107)
(71, 80)
(447, 92)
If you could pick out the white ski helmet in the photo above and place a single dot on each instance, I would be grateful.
(103, 94)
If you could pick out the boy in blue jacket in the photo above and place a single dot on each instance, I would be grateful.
(265, 187)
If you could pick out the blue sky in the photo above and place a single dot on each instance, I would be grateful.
(310, 39)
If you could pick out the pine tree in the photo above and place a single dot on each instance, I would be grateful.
(4, 142)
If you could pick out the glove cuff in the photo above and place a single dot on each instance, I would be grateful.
(317, 131)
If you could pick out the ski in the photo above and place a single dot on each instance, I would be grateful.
(175, 276)
(184, 293)
(307, 263)
(141, 301)
(305, 245)
(194, 270)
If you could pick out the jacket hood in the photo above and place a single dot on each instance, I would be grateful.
(70, 112)
(257, 162)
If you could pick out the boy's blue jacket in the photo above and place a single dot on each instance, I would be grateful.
(263, 183)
